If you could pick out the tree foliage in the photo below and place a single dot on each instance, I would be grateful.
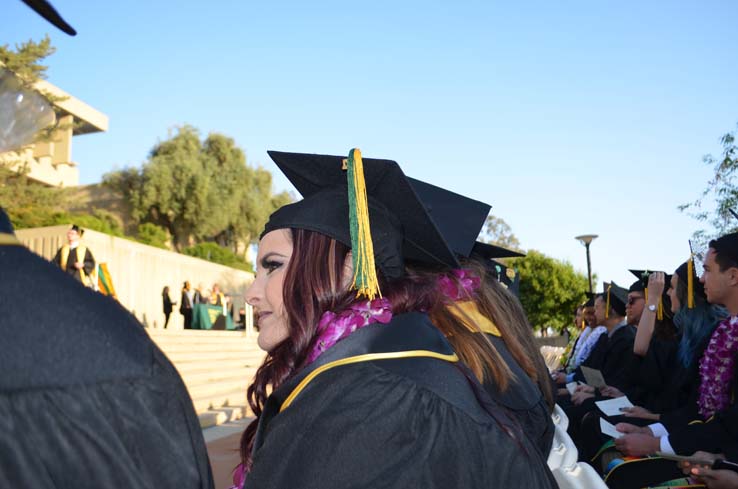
(152, 235)
(497, 231)
(217, 254)
(721, 191)
(550, 289)
(199, 190)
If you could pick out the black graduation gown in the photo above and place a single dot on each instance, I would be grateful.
(413, 421)
(524, 399)
(88, 262)
(614, 357)
(86, 399)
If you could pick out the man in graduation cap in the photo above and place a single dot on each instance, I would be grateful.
(612, 356)
(75, 258)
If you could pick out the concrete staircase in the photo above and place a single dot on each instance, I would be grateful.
(217, 367)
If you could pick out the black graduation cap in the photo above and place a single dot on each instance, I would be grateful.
(616, 296)
(48, 12)
(5, 226)
(591, 296)
(458, 218)
(400, 225)
(641, 284)
(486, 253)
(489, 251)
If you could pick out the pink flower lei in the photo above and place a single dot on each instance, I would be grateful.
(717, 367)
(334, 327)
(461, 287)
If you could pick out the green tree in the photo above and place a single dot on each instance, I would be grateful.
(152, 235)
(497, 231)
(721, 191)
(199, 191)
(217, 254)
(550, 289)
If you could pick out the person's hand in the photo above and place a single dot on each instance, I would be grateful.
(79, 265)
(628, 428)
(716, 479)
(637, 444)
(656, 285)
(562, 392)
(579, 397)
(609, 391)
(706, 456)
(587, 389)
(639, 412)
(559, 377)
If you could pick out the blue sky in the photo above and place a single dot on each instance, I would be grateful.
(567, 117)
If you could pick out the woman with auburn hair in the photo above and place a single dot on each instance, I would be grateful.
(488, 329)
(360, 389)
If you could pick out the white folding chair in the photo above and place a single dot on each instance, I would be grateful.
(563, 452)
(578, 476)
(560, 418)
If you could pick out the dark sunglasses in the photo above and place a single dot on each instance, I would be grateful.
(632, 300)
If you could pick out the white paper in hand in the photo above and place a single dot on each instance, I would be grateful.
(612, 407)
(609, 429)
(571, 387)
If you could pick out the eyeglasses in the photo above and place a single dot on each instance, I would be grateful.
(632, 300)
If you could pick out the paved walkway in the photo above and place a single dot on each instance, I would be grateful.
(223, 449)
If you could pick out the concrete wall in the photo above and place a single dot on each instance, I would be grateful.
(140, 272)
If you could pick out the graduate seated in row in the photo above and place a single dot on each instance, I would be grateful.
(483, 320)
(708, 421)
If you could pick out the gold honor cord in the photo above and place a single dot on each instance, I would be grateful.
(468, 312)
(368, 357)
(9, 240)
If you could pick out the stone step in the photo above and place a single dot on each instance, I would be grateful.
(243, 374)
(201, 333)
(222, 415)
(185, 368)
(224, 399)
(207, 356)
(177, 347)
(213, 389)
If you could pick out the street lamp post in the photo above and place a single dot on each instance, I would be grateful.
(586, 240)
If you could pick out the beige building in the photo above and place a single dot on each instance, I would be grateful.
(51, 162)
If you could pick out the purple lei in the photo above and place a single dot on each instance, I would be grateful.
(716, 368)
(334, 327)
(461, 287)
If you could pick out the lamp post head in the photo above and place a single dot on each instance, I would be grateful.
(586, 239)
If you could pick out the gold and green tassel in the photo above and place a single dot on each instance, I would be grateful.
(365, 279)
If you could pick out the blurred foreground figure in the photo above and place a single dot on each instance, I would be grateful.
(86, 398)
